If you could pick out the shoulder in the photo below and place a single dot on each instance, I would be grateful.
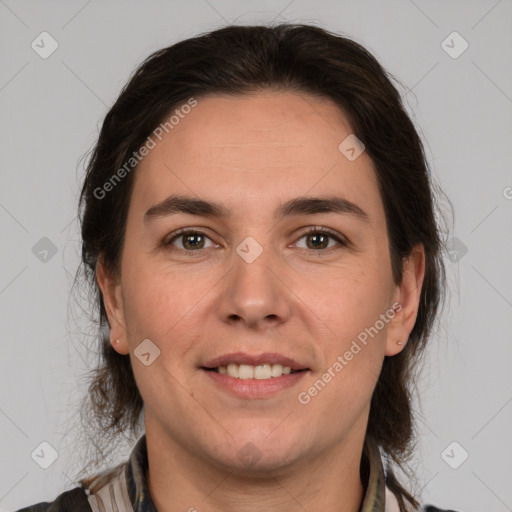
(74, 500)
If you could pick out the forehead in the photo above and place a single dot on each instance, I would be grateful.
(263, 124)
(255, 147)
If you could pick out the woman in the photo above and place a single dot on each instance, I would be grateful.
(258, 223)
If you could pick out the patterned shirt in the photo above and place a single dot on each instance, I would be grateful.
(124, 488)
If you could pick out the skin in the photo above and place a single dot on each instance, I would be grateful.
(252, 153)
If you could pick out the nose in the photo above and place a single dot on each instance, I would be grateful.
(255, 292)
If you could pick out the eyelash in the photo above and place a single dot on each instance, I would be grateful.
(312, 230)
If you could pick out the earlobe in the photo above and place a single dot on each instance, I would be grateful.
(408, 295)
(110, 289)
(394, 349)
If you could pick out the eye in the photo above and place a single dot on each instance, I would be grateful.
(190, 240)
(193, 240)
(318, 238)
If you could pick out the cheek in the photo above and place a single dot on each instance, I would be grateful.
(160, 308)
(158, 293)
(334, 400)
(154, 303)
(169, 306)
(354, 309)
(348, 301)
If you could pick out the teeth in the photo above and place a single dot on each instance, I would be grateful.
(245, 371)
(263, 371)
(277, 370)
(260, 372)
(232, 370)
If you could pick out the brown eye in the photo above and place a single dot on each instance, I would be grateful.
(189, 240)
(318, 239)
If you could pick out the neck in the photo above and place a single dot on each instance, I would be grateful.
(179, 480)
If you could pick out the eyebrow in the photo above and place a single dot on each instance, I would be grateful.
(303, 205)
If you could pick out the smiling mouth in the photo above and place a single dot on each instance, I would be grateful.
(257, 372)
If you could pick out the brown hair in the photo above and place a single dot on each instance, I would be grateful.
(242, 59)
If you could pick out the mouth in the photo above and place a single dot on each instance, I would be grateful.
(260, 367)
(259, 372)
(254, 376)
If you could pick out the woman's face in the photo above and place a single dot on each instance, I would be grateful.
(252, 287)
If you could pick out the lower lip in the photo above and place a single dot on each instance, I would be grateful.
(255, 388)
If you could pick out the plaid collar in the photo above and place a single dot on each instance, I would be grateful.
(136, 467)
(375, 496)
(136, 478)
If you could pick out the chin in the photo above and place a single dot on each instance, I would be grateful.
(259, 454)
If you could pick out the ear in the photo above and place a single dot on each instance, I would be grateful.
(406, 299)
(110, 288)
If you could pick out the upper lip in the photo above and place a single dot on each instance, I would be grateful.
(254, 360)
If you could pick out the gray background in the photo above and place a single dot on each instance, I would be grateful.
(51, 110)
